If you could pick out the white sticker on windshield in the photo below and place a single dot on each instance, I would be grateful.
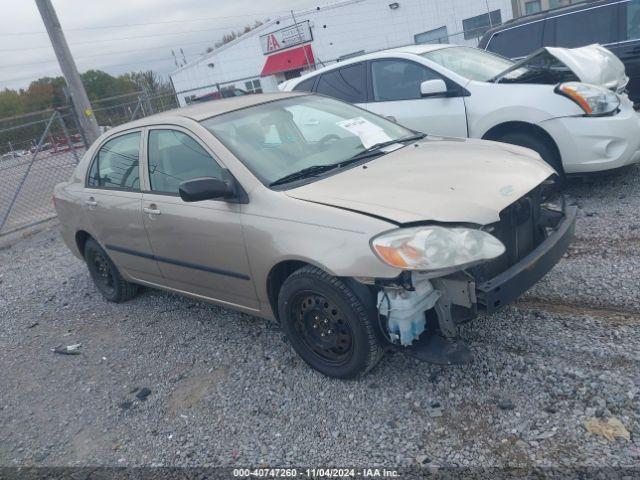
(368, 132)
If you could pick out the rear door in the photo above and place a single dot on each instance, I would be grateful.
(395, 93)
(199, 246)
(112, 202)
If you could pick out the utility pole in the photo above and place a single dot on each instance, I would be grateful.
(87, 120)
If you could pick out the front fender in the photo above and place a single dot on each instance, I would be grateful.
(490, 105)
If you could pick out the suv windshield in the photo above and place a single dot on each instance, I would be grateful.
(469, 62)
(306, 134)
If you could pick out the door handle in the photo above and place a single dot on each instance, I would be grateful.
(391, 117)
(151, 210)
(91, 202)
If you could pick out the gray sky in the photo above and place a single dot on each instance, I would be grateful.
(157, 25)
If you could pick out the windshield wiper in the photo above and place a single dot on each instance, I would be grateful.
(374, 150)
(315, 170)
(311, 171)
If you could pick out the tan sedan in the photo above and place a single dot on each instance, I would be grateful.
(353, 232)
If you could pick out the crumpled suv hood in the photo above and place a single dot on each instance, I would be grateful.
(439, 179)
(592, 64)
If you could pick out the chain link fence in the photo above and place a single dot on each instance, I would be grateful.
(40, 150)
(44, 152)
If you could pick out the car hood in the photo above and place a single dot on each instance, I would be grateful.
(439, 179)
(592, 64)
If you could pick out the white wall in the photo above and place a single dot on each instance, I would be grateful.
(338, 29)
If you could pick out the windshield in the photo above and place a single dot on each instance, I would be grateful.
(469, 62)
(280, 138)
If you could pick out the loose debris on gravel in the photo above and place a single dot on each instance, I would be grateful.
(166, 380)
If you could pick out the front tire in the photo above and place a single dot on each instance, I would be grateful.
(106, 276)
(329, 325)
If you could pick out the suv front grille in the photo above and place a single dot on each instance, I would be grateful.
(519, 229)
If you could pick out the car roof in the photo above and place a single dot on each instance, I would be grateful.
(201, 111)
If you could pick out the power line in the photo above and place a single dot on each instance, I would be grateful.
(99, 27)
(121, 38)
(121, 52)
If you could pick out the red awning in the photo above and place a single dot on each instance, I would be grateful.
(291, 59)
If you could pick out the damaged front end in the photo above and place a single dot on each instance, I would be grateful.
(421, 309)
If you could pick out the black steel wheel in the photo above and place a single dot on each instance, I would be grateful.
(321, 326)
(105, 275)
(332, 325)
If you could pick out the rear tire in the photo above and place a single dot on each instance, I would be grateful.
(105, 275)
(328, 324)
(541, 147)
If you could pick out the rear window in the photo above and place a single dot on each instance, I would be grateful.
(632, 13)
(305, 85)
(347, 83)
(518, 41)
(116, 165)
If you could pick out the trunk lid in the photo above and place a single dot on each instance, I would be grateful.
(442, 179)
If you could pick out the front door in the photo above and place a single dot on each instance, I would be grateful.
(395, 89)
(199, 246)
(112, 202)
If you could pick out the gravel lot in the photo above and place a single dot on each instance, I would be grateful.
(225, 389)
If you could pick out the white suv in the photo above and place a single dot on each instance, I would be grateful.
(569, 105)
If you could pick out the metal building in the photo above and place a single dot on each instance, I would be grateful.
(287, 46)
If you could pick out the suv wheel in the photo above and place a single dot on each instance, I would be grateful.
(539, 146)
(105, 275)
(332, 328)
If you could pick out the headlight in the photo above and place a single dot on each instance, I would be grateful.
(435, 248)
(592, 99)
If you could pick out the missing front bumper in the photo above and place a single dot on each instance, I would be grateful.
(505, 287)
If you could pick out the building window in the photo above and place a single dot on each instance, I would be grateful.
(437, 35)
(532, 7)
(253, 86)
(476, 26)
(562, 3)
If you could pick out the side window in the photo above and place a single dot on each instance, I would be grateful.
(594, 25)
(398, 79)
(517, 42)
(116, 165)
(175, 157)
(305, 85)
(632, 11)
(348, 83)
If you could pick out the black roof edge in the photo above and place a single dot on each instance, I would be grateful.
(532, 17)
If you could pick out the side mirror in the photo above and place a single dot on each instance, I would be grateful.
(205, 188)
(433, 88)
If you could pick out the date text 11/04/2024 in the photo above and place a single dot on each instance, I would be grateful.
(315, 472)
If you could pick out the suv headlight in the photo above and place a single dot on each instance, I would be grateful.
(592, 99)
(435, 247)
